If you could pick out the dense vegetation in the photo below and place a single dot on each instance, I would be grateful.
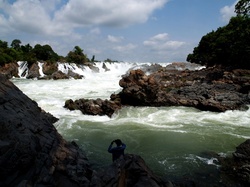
(17, 52)
(229, 45)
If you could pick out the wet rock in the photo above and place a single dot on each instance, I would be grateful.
(74, 75)
(131, 170)
(105, 67)
(32, 153)
(9, 70)
(49, 68)
(211, 89)
(236, 169)
(59, 75)
(93, 107)
(207, 89)
(33, 71)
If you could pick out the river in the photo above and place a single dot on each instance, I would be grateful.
(174, 141)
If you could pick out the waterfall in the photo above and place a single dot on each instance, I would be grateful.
(23, 69)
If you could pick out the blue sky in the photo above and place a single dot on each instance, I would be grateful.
(124, 30)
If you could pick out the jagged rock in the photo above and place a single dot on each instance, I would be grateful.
(32, 153)
(49, 68)
(93, 107)
(131, 170)
(210, 89)
(59, 75)
(92, 67)
(74, 75)
(9, 70)
(105, 67)
(33, 71)
(237, 168)
(207, 89)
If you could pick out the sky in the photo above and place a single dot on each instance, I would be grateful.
(123, 30)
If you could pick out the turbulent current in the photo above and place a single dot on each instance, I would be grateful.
(174, 141)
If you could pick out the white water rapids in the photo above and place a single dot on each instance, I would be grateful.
(174, 141)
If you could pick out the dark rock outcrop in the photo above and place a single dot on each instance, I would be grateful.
(93, 107)
(49, 68)
(211, 89)
(237, 168)
(9, 70)
(207, 89)
(32, 153)
(129, 171)
(33, 71)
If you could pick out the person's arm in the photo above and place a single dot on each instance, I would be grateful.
(110, 147)
(123, 146)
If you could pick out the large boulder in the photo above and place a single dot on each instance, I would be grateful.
(212, 89)
(32, 151)
(33, 71)
(93, 107)
(49, 68)
(9, 70)
(237, 168)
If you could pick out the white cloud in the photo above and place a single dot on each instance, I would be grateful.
(227, 12)
(118, 13)
(125, 48)
(160, 42)
(95, 31)
(53, 18)
(115, 39)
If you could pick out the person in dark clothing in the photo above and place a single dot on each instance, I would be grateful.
(118, 150)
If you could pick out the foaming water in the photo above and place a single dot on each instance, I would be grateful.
(174, 141)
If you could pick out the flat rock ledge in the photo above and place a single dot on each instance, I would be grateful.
(210, 89)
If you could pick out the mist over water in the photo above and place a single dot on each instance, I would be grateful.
(174, 141)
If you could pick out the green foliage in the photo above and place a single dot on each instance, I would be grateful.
(18, 52)
(16, 44)
(228, 46)
(242, 8)
(77, 56)
(109, 60)
(45, 53)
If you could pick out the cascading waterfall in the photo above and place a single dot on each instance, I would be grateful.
(174, 141)
(22, 69)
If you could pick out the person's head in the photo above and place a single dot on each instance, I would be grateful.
(118, 142)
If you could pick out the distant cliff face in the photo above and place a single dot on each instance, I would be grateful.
(31, 150)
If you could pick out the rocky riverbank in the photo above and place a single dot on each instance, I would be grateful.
(43, 70)
(34, 154)
(211, 89)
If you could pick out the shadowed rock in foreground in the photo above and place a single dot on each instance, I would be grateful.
(31, 150)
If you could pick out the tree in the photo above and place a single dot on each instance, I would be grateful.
(77, 56)
(16, 44)
(228, 46)
(3, 44)
(242, 8)
(45, 53)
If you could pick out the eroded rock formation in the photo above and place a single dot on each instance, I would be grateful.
(211, 89)
(31, 150)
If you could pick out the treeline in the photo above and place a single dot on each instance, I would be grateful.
(17, 52)
(228, 46)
